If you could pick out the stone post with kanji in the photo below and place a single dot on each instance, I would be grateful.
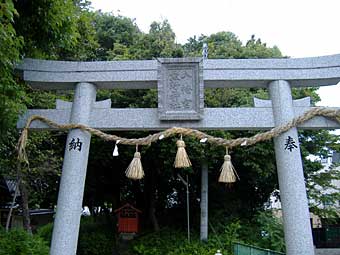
(71, 190)
(297, 228)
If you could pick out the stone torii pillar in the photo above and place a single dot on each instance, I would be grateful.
(71, 190)
(297, 227)
(204, 201)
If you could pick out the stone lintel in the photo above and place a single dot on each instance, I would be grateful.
(147, 119)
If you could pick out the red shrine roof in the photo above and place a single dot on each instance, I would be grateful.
(129, 206)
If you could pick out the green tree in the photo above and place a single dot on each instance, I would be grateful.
(86, 46)
(52, 27)
(322, 193)
(255, 48)
(159, 42)
(38, 29)
(10, 46)
(115, 34)
(228, 45)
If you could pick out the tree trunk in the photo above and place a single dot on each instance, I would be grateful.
(20, 186)
(9, 216)
(152, 212)
(24, 200)
(25, 208)
(138, 194)
(150, 194)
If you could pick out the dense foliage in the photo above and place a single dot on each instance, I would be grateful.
(263, 231)
(96, 236)
(10, 46)
(19, 242)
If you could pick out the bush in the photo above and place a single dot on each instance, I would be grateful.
(45, 232)
(174, 242)
(96, 236)
(264, 231)
(271, 232)
(19, 242)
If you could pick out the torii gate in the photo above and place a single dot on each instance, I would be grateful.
(181, 84)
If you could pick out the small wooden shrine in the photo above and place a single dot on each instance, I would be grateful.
(128, 219)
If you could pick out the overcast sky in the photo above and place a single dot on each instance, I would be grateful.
(300, 28)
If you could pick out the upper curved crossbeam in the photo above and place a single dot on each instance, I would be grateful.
(142, 74)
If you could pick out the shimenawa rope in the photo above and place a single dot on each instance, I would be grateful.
(229, 143)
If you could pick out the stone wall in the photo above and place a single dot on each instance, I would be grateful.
(327, 251)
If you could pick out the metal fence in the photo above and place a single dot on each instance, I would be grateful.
(243, 249)
(327, 237)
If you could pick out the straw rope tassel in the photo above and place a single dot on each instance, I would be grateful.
(21, 146)
(182, 160)
(135, 169)
(228, 172)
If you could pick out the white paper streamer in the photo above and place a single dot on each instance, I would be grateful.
(203, 140)
(115, 151)
(244, 143)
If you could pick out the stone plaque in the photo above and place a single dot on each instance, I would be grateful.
(180, 89)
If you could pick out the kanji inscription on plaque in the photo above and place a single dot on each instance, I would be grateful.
(180, 89)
